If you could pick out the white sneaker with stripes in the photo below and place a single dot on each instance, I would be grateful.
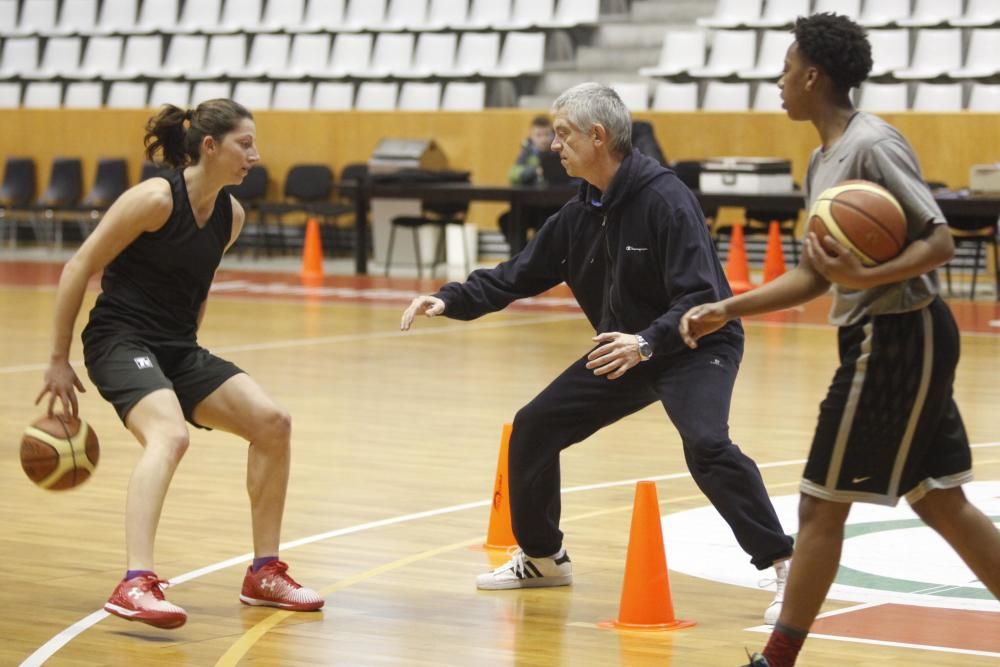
(524, 571)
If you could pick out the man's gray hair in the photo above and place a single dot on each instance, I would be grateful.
(587, 104)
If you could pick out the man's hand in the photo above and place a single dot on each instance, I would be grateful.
(836, 263)
(701, 321)
(615, 354)
(426, 304)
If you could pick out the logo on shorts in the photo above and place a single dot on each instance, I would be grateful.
(715, 362)
(143, 362)
(632, 248)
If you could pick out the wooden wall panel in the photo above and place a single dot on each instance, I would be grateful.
(485, 142)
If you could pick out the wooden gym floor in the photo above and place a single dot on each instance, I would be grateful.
(395, 449)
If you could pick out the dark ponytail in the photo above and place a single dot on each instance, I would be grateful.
(179, 145)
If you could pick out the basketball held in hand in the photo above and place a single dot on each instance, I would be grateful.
(863, 217)
(59, 452)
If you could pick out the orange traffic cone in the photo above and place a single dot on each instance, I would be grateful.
(774, 260)
(500, 534)
(737, 267)
(646, 603)
(312, 254)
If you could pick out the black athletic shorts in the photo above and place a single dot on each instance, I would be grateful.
(889, 426)
(126, 371)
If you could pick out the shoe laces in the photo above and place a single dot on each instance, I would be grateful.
(151, 583)
(278, 568)
(777, 580)
(516, 563)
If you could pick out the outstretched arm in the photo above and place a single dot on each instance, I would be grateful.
(431, 306)
(801, 284)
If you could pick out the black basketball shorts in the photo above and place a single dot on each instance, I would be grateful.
(126, 371)
(889, 426)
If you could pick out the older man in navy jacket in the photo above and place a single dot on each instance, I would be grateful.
(634, 249)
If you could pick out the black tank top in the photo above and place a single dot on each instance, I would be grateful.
(153, 290)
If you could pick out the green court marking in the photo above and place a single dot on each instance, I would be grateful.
(851, 577)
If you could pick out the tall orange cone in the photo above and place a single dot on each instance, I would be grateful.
(500, 534)
(774, 260)
(737, 266)
(312, 254)
(646, 603)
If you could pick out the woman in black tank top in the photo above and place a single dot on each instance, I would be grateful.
(158, 247)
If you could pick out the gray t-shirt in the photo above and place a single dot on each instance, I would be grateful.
(873, 150)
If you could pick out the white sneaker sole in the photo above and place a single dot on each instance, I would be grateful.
(539, 582)
(133, 615)
(254, 602)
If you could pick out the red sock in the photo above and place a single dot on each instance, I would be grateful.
(783, 646)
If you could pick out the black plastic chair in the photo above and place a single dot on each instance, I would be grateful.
(109, 184)
(151, 170)
(251, 194)
(979, 231)
(65, 184)
(16, 192)
(62, 194)
(440, 216)
(307, 189)
(437, 214)
(309, 185)
(253, 189)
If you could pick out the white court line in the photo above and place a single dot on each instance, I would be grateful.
(53, 645)
(50, 647)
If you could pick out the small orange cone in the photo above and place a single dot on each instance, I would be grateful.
(774, 260)
(500, 534)
(737, 266)
(646, 603)
(312, 254)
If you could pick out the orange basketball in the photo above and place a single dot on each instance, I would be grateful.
(59, 452)
(863, 217)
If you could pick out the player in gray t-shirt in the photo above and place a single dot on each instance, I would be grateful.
(873, 150)
(889, 426)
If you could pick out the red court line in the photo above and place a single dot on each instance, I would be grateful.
(926, 626)
(972, 316)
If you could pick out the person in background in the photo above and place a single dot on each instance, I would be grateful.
(527, 170)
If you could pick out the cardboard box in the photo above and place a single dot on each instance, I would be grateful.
(746, 175)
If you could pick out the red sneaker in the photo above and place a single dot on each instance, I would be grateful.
(141, 599)
(270, 586)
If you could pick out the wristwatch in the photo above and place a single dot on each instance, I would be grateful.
(645, 349)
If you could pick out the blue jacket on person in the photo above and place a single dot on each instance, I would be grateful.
(636, 258)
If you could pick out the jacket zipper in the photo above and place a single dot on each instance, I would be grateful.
(611, 266)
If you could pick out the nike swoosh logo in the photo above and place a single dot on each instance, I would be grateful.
(858, 480)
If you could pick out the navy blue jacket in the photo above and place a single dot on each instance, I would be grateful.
(636, 258)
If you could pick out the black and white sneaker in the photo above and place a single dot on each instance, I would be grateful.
(756, 660)
(523, 571)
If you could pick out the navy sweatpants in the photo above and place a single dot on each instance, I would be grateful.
(695, 387)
